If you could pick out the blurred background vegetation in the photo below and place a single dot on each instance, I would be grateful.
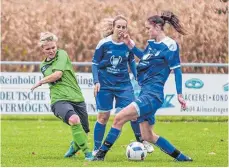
(77, 25)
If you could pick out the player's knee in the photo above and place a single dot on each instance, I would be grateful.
(118, 121)
(103, 119)
(74, 119)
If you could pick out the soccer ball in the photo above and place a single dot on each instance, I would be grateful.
(136, 151)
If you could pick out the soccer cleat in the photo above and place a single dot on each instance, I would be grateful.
(148, 146)
(89, 156)
(94, 152)
(100, 155)
(71, 151)
(187, 159)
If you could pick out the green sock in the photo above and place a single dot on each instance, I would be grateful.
(76, 147)
(80, 137)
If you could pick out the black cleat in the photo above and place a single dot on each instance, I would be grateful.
(187, 159)
(100, 155)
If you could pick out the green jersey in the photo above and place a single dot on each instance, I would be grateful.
(66, 88)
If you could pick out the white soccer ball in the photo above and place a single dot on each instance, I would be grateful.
(136, 151)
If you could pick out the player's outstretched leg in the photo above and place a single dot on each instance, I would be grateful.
(80, 138)
(169, 149)
(149, 135)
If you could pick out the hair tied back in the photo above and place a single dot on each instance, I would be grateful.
(167, 16)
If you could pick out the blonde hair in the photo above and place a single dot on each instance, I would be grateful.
(46, 37)
(108, 25)
(119, 17)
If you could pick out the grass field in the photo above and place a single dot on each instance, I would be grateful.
(39, 141)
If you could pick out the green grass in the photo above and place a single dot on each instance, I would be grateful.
(39, 141)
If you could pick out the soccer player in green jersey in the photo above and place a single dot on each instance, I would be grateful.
(67, 102)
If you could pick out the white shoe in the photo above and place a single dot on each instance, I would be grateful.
(148, 146)
(94, 152)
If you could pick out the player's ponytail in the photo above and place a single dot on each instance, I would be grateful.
(167, 17)
(172, 19)
(107, 27)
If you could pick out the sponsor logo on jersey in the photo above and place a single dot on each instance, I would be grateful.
(115, 61)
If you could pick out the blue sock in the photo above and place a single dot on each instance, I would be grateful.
(165, 145)
(99, 131)
(169, 149)
(136, 128)
(110, 139)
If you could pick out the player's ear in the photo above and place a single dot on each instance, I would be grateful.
(157, 27)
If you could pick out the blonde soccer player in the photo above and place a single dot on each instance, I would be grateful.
(67, 101)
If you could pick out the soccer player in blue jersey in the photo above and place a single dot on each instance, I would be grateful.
(111, 78)
(160, 57)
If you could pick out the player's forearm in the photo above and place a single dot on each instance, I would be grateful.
(137, 52)
(178, 80)
(133, 68)
(134, 49)
(95, 73)
(51, 78)
(130, 44)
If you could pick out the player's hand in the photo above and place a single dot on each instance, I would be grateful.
(125, 37)
(96, 89)
(182, 102)
(36, 85)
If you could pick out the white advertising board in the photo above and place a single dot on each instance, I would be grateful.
(206, 94)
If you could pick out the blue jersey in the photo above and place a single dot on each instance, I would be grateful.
(156, 62)
(112, 61)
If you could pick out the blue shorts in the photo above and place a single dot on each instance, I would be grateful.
(105, 98)
(147, 104)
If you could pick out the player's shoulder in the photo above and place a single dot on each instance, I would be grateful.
(61, 55)
(104, 41)
(62, 52)
(170, 43)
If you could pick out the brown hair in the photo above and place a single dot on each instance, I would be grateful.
(167, 17)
